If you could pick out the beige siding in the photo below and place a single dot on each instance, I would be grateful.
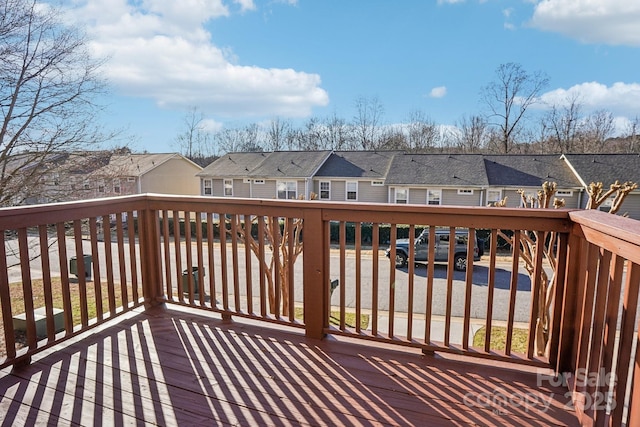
(175, 176)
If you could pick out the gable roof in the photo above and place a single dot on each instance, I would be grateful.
(139, 164)
(451, 170)
(290, 164)
(234, 165)
(357, 164)
(605, 168)
(528, 171)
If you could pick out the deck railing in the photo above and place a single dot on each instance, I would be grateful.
(237, 257)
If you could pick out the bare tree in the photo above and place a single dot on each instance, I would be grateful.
(243, 139)
(422, 132)
(598, 128)
(48, 87)
(195, 142)
(563, 124)
(473, 134)
(509, 97)
(339, 133)
(367, 121)
(632, 136)
(277, 134)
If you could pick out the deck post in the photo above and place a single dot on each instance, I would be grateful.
(315, 277)
(149, 229)
(564, 358)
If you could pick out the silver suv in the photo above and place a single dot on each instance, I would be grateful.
(441, 247)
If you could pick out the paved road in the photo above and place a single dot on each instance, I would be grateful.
(400, 288)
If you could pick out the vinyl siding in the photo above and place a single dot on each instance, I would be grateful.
(451, 197)
(372, 194)
(417, 196)
(264, 191)
(175, 176)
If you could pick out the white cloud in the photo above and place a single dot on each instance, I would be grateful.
(619, 98)
(615, 22)
(438, 92)
(245, 5)
(160, 49)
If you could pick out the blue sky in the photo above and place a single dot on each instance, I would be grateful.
(248, 61)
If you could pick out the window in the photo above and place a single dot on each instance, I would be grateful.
(116, 186)
(325, 190)
(86, 185)
(352, 190)
(101, 187)
(131, 179)
(530, 200)
(258, 181)
(564, 193)
(434, 197)
(494, 196)
(607, 204)
(377, 183)
(287, 190)
(402, 195)
(465, 191)
(208, 187)
(228, 187)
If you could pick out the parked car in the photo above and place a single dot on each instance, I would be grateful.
(441, 249)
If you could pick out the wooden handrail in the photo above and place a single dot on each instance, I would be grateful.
(609, 244)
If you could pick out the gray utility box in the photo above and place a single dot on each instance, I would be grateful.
(73, 266)
(40, 315)
(196, 280)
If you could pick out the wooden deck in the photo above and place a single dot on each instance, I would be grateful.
(167, 367)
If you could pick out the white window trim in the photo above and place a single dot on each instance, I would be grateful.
(117, 187)
(395, 194)
(131, 179)
(101, 187)
(206, 187)
(564, 193)
(465, 191)
(320, 190)
(224, 187)
(439, 190)
(346, 191)
(377, 183)
(496, 191)
(287, 189)
(258, 181)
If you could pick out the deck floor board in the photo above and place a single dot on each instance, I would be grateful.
(170, 367)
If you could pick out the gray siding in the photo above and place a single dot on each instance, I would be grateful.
(240, 189)
(417, 196)
(451, 197)
(631, 205)
(264, 191)
(372, 194)
(338, 191)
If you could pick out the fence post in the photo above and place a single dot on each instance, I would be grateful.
(149, 232)
(315, 276)
(564, 359)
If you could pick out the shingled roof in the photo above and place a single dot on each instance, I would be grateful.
(605, 168)
(528, 171)
(357, 164)
(234, 164)
(455, 170)
(290, 164)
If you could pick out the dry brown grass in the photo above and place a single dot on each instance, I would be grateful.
(17, 301)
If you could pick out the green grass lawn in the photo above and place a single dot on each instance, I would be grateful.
(334, 318)
(499, 339)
